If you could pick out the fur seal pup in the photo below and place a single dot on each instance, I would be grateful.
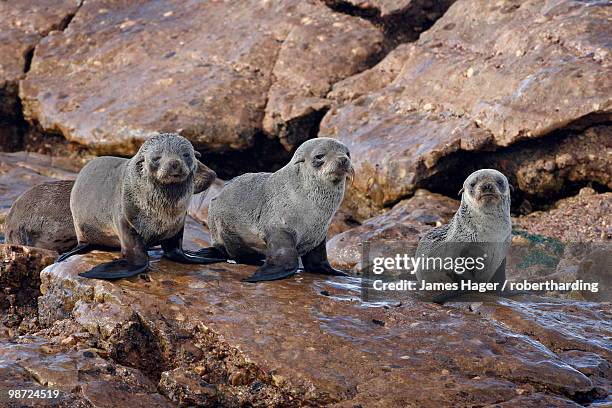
(481, 225)
(134, 204)
(282, 216)
(41, 218)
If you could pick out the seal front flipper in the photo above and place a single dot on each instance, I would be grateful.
(173, 250)
(212, 253)
(316, 261)
(281, 258)
(135, 258)
(118, 269)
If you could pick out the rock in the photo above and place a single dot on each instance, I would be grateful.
(402, 20)
(182, 78)
(282, 343)
(404, 224)
(23, 25)
(83, 380)
(584, 217)
(432, 101)
(20, 281)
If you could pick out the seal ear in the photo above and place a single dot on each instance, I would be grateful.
(140, 159)
(197, 154)
(511, 187)
(460, 191)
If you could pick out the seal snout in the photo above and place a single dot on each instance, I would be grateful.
(343, 167)
(172, 170)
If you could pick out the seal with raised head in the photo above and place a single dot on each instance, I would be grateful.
(135, 204)
(41, 218)
(282, 216)
(482, 225)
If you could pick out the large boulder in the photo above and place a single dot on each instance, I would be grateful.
(212, 71)
(22, 26)
(486, 76)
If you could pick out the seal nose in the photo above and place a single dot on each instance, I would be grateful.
(174, 166)
(487, 188)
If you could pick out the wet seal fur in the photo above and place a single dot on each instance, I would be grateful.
(482, 224)
(41, 218)
(135, 204)
(282, 216)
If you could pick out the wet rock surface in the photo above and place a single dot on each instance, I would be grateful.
(522, 86)
(283, 57)
(82, 377)
(429, 100)
(311, 340)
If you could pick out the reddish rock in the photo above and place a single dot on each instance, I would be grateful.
(307, 340)
(433, 98)
(585, 217)
(22, 26)
(83, 378)
(20, 281)
(402, 20)
(161, 69)
(404, 223)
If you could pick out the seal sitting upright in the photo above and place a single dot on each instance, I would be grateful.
(482, 225)
(283, 215)
(135, 204)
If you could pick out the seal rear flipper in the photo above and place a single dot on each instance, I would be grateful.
(189, 257)
(271, 273)
(212, 253)
(281, 258)
(120, 268)
(79, 249)
(173, 250)
(316, 261)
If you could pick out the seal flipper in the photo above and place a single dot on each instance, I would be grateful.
(120, 268)
(316, 261)
(79, 249)
(281, 258)
(135, 258)
(173, 250)
(213, 253)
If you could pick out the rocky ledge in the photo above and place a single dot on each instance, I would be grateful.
(199, 335)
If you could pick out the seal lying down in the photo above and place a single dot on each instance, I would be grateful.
(135, 204)
(282, 216)
(482, 225)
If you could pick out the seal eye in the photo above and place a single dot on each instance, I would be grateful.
(155, 159)
(348, 154)
(319, 156)
(473, 184)
(186, 155)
